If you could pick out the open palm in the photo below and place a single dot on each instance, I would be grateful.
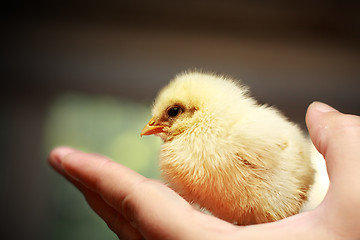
(135, 207)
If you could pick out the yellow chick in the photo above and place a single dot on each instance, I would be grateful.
(243, 162)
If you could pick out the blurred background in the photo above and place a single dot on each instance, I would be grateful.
(84, 74)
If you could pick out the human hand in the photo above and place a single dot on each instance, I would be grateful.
(135, 207)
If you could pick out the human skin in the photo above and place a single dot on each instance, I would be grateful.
(135, 207)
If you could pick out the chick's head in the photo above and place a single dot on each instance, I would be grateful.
(192, 100)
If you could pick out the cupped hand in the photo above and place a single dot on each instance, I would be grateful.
(135, 207)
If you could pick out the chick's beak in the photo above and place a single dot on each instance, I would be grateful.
(152, 128)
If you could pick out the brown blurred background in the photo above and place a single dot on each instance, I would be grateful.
(289, 53)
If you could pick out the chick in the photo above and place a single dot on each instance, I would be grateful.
(243, 162)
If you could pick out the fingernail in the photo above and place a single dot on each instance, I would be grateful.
(59, 153)
(322, 107)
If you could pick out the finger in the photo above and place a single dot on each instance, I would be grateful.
(114, 220)
(155, 210)
(56, 155)
(98, 173)
(337, 137)
(55, 160)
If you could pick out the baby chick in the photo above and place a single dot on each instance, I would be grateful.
(243, 162)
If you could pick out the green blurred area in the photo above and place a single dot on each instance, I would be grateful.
(100, 124)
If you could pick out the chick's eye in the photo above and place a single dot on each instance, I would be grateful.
(174, 111)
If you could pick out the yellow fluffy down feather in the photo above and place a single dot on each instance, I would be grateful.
(242, 161)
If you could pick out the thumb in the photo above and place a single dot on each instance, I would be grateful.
(317, 121)
(337, 138)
